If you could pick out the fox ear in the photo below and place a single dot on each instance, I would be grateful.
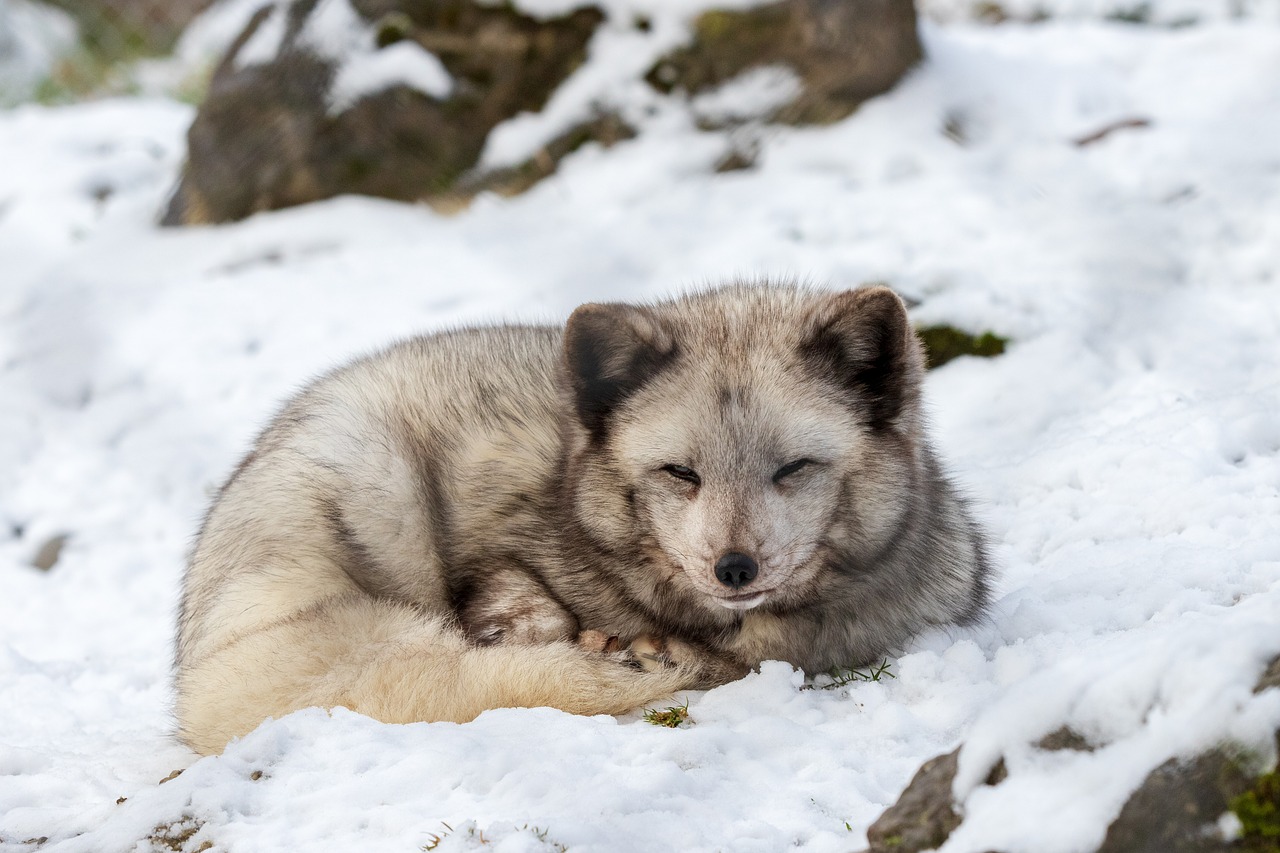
(610, 350)
(863, 339)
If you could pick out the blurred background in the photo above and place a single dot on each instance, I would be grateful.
(401, 98)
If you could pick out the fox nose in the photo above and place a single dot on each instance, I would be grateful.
(736, 570)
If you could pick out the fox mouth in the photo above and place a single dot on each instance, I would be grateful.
(744, 600)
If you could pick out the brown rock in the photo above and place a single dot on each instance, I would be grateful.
(264, 140)
(845, 51)
(1175, 809)
(49, 552)
(1064, 738)
(924, 815)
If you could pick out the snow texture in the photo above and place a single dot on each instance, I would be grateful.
(405, 63)
(752, 94)
(1124, 452)
(333, 31)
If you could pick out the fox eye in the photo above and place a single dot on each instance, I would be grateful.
(789, 469)
(680, 472)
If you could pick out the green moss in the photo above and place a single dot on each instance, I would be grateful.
(749, 27)
(393, 27)
(943, 343)
(669, 717)
(1259, 812)
(725, 44)
(714, 24)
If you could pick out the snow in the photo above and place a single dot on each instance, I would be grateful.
(752, 94)
(335, 30)
(402, 64)
(618, 56)
(1174, 13)
(260, 48)
(1124, 452)
(32, 39)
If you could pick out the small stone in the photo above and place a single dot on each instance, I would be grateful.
(924, 815)
(736, 160)
(1064, 738)
(1270, 677)
(47, 555)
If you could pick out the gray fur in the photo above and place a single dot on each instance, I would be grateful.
(486, 496)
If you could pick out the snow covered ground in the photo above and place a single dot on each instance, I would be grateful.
(1125, 451)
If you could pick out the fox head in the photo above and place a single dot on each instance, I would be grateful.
(755, 443)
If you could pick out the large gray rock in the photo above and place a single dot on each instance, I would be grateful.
(845, 51)
(266, 137)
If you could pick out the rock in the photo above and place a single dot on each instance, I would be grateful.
(266, 137)
(48, 553)
(1064, 738)
(845, 51)
(1177, 808)
(1270, 677)
(924, 815)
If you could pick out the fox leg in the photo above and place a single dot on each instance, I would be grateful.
(712, 669)
(510, 605)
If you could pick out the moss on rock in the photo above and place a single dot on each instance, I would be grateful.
(944, 343)
(1258, 810)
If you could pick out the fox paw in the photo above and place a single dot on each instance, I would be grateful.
(598, 641)
(654, 653)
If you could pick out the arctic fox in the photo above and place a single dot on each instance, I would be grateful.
(651, 498)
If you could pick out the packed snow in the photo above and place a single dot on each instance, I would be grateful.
(1124, 452)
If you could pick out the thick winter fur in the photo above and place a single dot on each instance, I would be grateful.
(526, 516)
